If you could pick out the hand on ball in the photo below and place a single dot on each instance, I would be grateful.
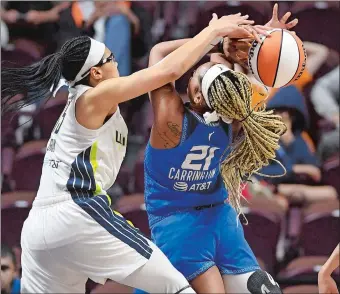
(275, 23)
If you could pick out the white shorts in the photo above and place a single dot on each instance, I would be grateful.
(66, 242)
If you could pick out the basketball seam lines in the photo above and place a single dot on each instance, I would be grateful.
(257, 62)
(278, 62)
(298, 65)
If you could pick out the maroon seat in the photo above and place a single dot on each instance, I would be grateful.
(12, 220)
(49, 114)
(17, 198)
(124, 179)
(16, 58)
(111, 287)
(320, 228)
(324, 19)
(298, 6)
(262, 233)
(139, 177)
(307, 289)
(9, 123)
(139, 218)
(27, 165)
(7, 158)
(330, 173)
(303, 270)
(224, 9)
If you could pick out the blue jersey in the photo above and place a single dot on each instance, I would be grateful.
(187, 175)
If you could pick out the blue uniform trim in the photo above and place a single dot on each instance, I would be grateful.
(98, 208)
(81, 185)
(240, 271)
(202, 270)
(81, 182)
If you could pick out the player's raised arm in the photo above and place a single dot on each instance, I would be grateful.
(36, 81)
(325, 281)
(176, 63)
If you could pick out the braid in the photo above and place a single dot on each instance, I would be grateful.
(26, 85)
(230, 96)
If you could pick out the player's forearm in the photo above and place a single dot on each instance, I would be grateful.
(161, 50)
(52, 15)
(308, 169)
(131, 16)
(317, 55)
(332, 263)
(183, 58)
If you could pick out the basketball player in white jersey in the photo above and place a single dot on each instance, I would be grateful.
(71, 233)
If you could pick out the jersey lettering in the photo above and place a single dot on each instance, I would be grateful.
(120, 139)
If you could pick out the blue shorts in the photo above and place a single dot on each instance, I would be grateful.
(196, 240)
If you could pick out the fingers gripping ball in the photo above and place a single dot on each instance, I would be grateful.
(279, 60)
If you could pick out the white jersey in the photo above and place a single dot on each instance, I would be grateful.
(80, 161)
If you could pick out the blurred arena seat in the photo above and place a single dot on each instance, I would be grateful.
(307, 289)
(262, 233)
(111, 287)
(28, 164)
(303, 270)
(17, 198)
(49, 113)
(321, 33)
(12, 220)
(320, 228)
(331, 172)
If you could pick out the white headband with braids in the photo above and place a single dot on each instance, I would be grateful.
(96, 54)
(97, 50)
(207, 80)
(209, 77)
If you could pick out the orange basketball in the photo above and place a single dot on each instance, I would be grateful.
(279, 60)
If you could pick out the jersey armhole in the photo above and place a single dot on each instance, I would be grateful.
(227, 128)
(85, 131)
(188, 126)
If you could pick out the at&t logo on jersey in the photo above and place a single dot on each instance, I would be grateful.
(181, 186)
(195, 167)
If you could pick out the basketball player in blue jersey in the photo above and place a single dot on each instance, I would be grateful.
(71, 233)
(192, 183)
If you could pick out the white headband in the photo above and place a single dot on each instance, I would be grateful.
(96, 54)
(209, 77)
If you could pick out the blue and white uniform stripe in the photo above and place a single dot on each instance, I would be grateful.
(82, 186)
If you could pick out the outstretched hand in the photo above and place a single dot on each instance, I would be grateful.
(275, 23)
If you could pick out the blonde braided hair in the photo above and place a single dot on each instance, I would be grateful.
(230, 96)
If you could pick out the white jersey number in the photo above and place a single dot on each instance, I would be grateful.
(206, 153)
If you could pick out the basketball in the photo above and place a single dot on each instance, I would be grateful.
(279, 60)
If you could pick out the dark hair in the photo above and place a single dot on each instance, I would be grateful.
(7, 251)
(34, 82)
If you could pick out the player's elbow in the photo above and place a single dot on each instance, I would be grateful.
(156, 54)
(170, 72)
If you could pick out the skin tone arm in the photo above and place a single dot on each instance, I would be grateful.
(35, 17)
(308, 169)
(110, 8)
(98, 101)
(325, 281)
(38, 17)
(167, 129)
(167, 104)
(316, 56)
